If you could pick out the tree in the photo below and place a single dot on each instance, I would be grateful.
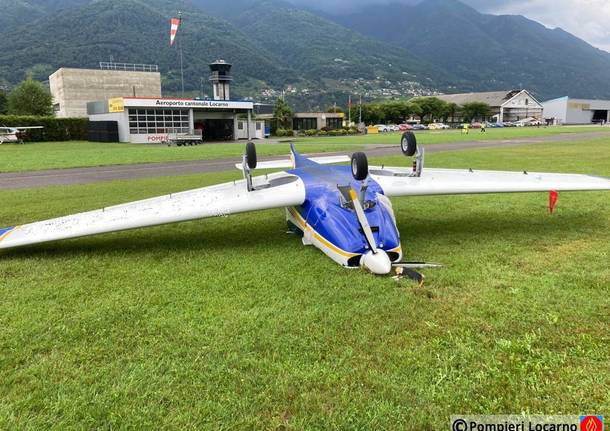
(431, 107)
(450, 110)
(3, 103)
(393, 112)
(475, 111)
(282, 114)
(412, 109)
(30, 98)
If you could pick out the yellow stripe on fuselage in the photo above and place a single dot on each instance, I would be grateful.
(303, 225)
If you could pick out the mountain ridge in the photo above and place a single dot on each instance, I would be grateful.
(315, 58)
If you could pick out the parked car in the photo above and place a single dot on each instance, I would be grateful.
(404, 127)
(475, 125)
(393, 128)
(495, 125)
(382, 128)
(508, 124)
(438, 126)
(419, 127)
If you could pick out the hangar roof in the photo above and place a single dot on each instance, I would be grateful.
(492, 98)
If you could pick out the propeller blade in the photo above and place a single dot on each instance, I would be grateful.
(364, 224)
(416, 265)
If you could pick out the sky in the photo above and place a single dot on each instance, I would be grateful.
(587, 19)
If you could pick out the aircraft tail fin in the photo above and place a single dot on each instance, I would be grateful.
(289, 163)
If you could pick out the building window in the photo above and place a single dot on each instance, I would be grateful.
(258, 125)
(149, 121)
(240, 125)
(305, 123)
(334, 123)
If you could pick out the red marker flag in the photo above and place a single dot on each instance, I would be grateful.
(175, 23)
(553, 196)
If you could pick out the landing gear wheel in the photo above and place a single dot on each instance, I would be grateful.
(360, 166)
(251, 155)
(408, 144)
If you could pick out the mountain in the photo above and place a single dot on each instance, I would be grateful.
(316, 61)
(329, 54)
(16, 13)
(488, 52)
(135, 31)
(314, 58)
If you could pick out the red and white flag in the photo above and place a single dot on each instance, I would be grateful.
(175, 23)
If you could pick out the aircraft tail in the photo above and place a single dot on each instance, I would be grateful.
(300, 161)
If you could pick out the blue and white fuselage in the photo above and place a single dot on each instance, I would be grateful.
(331, 225)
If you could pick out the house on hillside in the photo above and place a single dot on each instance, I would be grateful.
(511, 105)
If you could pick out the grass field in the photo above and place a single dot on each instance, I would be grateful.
(229, 323)
(14, 158)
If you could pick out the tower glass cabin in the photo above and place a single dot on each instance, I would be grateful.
(220, 76)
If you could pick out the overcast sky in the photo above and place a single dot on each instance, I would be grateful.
(587, 19)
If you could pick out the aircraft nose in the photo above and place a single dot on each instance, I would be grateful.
(378, 263)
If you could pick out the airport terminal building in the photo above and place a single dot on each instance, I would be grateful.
(149, 120)
(143, 120)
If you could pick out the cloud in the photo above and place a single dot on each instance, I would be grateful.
(587, 19)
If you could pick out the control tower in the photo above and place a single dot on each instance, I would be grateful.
(220, 77)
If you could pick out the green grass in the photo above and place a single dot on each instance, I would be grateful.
(230, 323)
(14, 158)
(54, 155)
(429, 137)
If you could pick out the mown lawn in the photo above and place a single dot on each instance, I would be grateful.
(229, 323)
(52, 155)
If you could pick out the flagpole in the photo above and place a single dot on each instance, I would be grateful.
(181, 56)
(349, 111)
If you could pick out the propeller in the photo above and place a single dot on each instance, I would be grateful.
(376, 260)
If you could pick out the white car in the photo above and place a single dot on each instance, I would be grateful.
(382, 128)
(394, 127)
(438, 126)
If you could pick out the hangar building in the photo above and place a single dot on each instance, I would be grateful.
(141, 120)
(566, 110)
(73, 88)
(511, 105)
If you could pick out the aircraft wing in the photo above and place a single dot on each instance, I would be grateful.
(397, 182)
(273, 191)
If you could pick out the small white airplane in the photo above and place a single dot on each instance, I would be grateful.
(345, 211)
(14, 135)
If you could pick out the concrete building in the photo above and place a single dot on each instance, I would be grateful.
(566, 110)
(505, 105)
(72, 89)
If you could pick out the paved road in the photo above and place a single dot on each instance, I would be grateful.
(54, 177)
